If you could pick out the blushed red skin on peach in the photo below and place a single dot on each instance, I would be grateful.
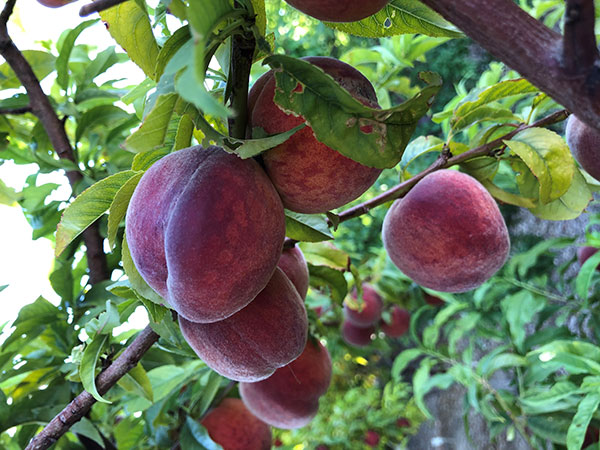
(293, 264)
(356, 336)
(447, 234)
(433, 301)
(371, 438)
(372, 307)
(403, 422)
(309, 176)
(338, 10)
(254, 342)
(54, 3)
(399, 324)
(205, 230)
(235, 428)
(290, 397)
(584, 253)
(584, 143)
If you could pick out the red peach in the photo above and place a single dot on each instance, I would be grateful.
(371, 308)
(290, 397)
(371, 438)
(338, 11)
(584, 253)
(205, 230)
(584, 143)
(309, 176)
(235, 428)
(447, 234)
(251, 344)
(433, 301)
(55, 3)
(399, 324)
(293, 264)
(403, 422)
(356, 336)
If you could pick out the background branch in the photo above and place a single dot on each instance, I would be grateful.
(525, 44)
(21, 110)
(75, 410)
(97, 6)
(54, 127)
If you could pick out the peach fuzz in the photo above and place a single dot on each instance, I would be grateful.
(205, 230)
(309, 176)
(370, 313)
(290, 397)
(447, 233)
(235, 428)
(293, 264)
(338, 10)
(251, 344)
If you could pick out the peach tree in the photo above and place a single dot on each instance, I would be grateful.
(313, 219)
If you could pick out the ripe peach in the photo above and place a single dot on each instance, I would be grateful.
(447, 234)
(356, 336)
(293, 264)
(290, 397)
(584, 142)
(403, 422)
(235, 428)
(254, 342)
(309, 176)
(371, 311)
(584, 253)
(433, 301)
(399, 324)
(338, 11)
(205, 230)
(55, 3)
(371, 438)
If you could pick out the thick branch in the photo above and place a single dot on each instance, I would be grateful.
(242, 50)
(528, 46)
(75, 410)
(97, 6)
(579, 40)
(54, 127)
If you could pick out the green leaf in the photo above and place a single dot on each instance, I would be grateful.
(306, 227)
(8, 196)
(195, 437)
(129, 433)
(137, 381)
(103, 115)
(87, 369)
(431, 333)
(129, 25)
(552, 427)
(484, 114)
(62, 62)
(583, 416)
(498, 91)
(504, 360)
(144, 160)
(400, 17)
(420, 385)
(522, 262)
(32, 320)
(562, 396)
(151, 135)
(167, 378)
(403, 360)
(323, 254)
(136, 280)
(208, 393)
(326, 277)
(373, 137)
(42, 64)
(548, 158)
(86, 428)
(585, 275)
(418, 147)
(155, 311)
(88, 207)
(171, 46)
(463, 325)
(118, 207)
(519, 309)
(185, 131)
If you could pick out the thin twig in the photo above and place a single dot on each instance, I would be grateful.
(16, 111)
(97, 6)
(75, 410)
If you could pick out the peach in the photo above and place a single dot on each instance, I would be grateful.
(584, 143)
(447, 233)
(584, 253)
(251, 344)
(399, 324)
(371, 308)
(338, 10)
(205, 230)
(309, 176)
(55, 3)
(290, 397)
(293, 264)
(235, 428)
(433, 301)
(356, 336)
(372, 438)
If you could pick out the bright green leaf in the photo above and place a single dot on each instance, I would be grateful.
(87, 369)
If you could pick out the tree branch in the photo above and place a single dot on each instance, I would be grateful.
(54, 127)
(97, 6)
(532, 49)
(21, 110)
(75, 410)
(242, 50)
(579, 50)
